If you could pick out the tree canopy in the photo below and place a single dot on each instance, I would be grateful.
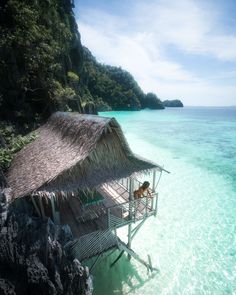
(111, 87)
(38, 40)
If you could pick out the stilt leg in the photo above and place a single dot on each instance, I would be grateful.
(114, 262)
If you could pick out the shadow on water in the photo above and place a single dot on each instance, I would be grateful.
(122, 278)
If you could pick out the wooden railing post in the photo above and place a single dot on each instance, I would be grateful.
(135, 208)
(146, 204)
(154, 180)
(108, 217)
(152, 202)
(156, 207)
(131, 198)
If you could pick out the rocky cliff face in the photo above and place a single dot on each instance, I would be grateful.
(44, 68)
(33, 259)
(109, 87)
(41, 59)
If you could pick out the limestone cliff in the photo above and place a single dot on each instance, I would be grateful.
(33, 257)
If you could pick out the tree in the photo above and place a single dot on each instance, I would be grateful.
(151, 101)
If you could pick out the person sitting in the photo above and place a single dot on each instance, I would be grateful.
(139, 193)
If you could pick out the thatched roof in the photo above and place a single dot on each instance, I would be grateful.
(74, 151)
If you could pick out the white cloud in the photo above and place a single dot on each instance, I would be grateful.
(196, 94)
(137, 54)
(139, 43)
(187, 26)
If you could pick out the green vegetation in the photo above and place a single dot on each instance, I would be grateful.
(110, 87)
(73, 77)
(114, 88)
(152, 102)
(44, 68)
(10, 143)
(41, 58)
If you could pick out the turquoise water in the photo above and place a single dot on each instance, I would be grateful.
(192, 241)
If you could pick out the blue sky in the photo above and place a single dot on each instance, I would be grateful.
(181, 49)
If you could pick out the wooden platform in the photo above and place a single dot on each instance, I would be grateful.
(112, 211)
(94, 224)
(93, 244)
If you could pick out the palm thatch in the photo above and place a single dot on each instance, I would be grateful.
(74, 151)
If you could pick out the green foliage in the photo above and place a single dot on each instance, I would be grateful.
(37, 38)
(39, 35)
(73, 77)
(61, 94)
(115, 88)
(11, 142)
(86, 97)
(102, 106)
(152, 102)
(41, 67)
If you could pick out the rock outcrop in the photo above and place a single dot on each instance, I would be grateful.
(152, 102)
(175, 103)
(33, 259)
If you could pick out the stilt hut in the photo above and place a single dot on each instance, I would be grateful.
(80, 171)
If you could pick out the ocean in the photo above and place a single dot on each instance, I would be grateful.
(192, 241)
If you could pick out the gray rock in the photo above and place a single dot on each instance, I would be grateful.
(33, 259)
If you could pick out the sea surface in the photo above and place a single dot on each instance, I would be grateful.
(192, 241)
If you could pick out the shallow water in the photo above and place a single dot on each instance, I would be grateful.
(192, 241)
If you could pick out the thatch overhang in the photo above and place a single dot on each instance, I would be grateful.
(74, 151)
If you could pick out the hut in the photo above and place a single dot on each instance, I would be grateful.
(80, 171)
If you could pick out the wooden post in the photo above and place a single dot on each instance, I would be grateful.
(156, 206)
(131, 198)
(154, 180)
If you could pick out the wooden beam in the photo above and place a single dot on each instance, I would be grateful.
(114, 262)
(95, 262)
(130, 252)
(136, 229)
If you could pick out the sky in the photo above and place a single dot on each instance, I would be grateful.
(178, 49)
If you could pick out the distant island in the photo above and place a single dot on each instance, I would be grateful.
(175, 103)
